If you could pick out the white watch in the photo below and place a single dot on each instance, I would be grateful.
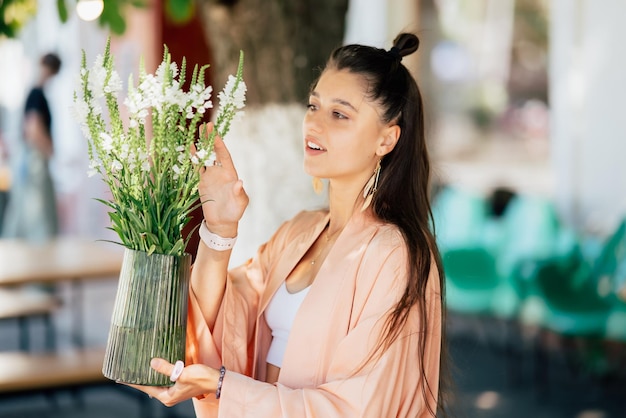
(214, 241)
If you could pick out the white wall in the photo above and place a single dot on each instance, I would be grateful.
(588, 129)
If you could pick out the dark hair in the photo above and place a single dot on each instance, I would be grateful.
(402, 196)
(52, 61)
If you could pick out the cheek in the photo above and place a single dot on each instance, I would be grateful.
(355, 154)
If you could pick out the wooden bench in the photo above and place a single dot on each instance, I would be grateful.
(31, 372)
(19, 303)
(27, 374)
(23, 305)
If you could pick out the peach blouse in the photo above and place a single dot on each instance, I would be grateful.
(327, 369)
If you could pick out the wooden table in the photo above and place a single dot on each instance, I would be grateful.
(60, 260)
(64, 258)
(31, 372)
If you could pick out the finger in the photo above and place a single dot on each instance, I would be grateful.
(152, 391)
(222, 155)
(165, 395)
(238, 188)
(205, 129)
(162, 366)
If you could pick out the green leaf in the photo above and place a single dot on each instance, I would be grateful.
(180, 11)
(179, 247)
(112, 17)
(62, 9)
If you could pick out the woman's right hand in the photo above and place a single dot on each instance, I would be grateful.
(223, 197)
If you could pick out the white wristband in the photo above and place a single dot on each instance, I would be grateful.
(214, 241)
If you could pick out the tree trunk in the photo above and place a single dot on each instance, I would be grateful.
(285, 43)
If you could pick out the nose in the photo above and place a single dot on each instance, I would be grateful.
(312, 122)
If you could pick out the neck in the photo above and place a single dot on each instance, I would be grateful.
(344, 200)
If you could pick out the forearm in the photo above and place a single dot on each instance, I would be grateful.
(208, 280)
(36, 134)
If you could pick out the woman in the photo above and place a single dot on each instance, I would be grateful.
(31, 211)
(340, 313)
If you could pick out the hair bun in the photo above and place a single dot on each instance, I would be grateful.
(404, 44)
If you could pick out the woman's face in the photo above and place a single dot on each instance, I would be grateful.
(344, 136)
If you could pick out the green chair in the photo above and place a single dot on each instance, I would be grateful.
(563, 301)
(459, 216)
(531, 231)
(609, 271)
(616, 322)
(571, 305)
(613, 252)
(471, 280)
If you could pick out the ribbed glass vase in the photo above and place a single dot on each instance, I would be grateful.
(149, 317)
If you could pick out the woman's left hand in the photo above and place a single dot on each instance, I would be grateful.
(195, 380)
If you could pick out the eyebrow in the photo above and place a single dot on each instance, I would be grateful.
(339, 101)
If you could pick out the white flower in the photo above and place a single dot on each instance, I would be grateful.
(130, 157)
(97, 76)
(176, 169)
(80, 110)
(201, 154)
(161, 71)
(231, 96)
(116, 166)
(125, 151)
(93, 168)
(86, 132)
(107, 142)
(211, 160)
(114, 85)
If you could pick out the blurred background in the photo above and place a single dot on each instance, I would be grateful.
(523, 111)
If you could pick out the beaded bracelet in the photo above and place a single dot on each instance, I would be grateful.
(214, 241)
(218, 392)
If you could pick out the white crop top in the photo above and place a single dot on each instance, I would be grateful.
(279, 315)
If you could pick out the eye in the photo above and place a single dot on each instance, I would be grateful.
(339, 115)
(311, 106)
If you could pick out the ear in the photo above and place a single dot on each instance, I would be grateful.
(389, 138)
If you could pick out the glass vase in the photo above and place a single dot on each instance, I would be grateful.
(149, 317)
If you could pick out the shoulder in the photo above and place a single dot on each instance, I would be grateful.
(35, 98)
(35, 93)
(386, 242)
(296, 229)
(303, 221)
(309, 217)
(385, 256)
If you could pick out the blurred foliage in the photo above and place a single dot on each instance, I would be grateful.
(532, 21)
(15, 14)
(112, 17)
(180, 11)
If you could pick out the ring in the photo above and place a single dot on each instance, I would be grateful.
(217, 163)
(177, 371)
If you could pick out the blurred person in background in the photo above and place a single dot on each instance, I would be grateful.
(5, 173)
(31, 212)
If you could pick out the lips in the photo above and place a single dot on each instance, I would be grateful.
(314, 146)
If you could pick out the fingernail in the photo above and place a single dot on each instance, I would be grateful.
(155, 363)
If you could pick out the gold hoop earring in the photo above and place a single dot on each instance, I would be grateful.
(318, 185)
(370, 187)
